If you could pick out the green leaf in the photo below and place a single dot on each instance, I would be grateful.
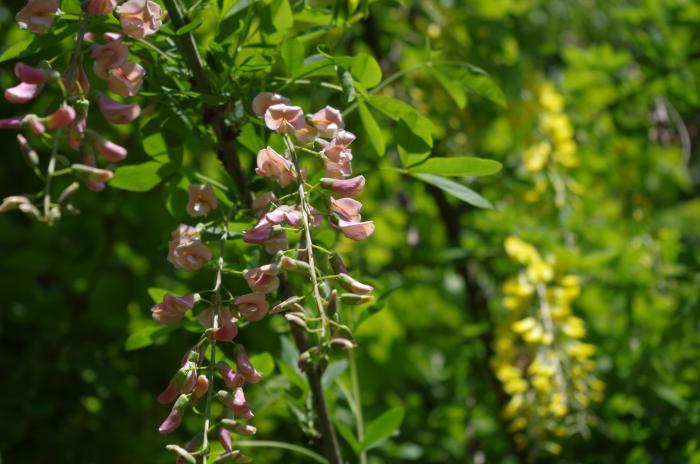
(281, 16)
(292, 53)
(391, 107)
(140, 177)
(413, 134)
(35, 43)
(366, 70)
(147, 335)
(191, 26)
(382, 427)
(333, 371)
(458, 166)
(454, 88)
(374, 133)
(294, 376)
(455, 189)
(264, 363)
(157, 294)
(348, 435)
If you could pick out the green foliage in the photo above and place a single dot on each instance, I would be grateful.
(421, 84)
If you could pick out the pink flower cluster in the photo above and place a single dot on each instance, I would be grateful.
(138, 19)
(323, 131)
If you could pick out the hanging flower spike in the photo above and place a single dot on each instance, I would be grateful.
(202, 200)
(172, 308)
(284, 119)
(328, 121)
(139, 18)
(346, 187)
(253, 306)
(37, 15)
(118, 113)
(126, 80)
(100, 7)
(272, 164)
(264, 100)
(23, 92)
(263, 279)
(111, 55)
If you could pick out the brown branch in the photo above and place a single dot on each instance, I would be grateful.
(214, 116)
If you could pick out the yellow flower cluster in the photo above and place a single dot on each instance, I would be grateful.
(557, 134)
(539, 357)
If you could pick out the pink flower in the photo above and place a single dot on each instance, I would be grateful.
(89, 160)
(285, 213)
(118, 113)
(227, 329)
(201, 200)
(126, 80)
(37, 15)
(14, 122)
(262, 279)
(338, 149)
(284, 119)
(261, 232)
(172, 422)
(347, 208)
(231, 379)
(34, 123)
(277, 242)
(328, 121)
(32, 75)
(140, 18)
(238, 404)
(261, 202)
(305, 135)
(201, 386)
(264, 100)
(62, 117)
(109, 56)
(272, 164)
(172, 308)
(253, 306)
(346, 218)
(76, 132)
(186, 251)
(225, 439)
(108, 150)
(100, 7)
(355, 230)
(244, 366)
(23, 92)
(338, 169)
(348, 187)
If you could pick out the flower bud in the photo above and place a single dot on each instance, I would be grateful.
(346, 187)
(183, 454)
(296, 320)
(290, 303)
(60, 118)
(109, 150)
(201, 386)
(353, 299)
(244, 366)
(32, 75)
(68, 192)
(352, 285)
(23, 92)
(225, 439)
(14, 122)
(293, 265)
(343, 344)
(231, 379)
(30, 156)
(90, 174)
(33, 122)
(238, 428)
(118, 113)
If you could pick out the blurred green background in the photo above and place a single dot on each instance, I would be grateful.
(628, 72)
